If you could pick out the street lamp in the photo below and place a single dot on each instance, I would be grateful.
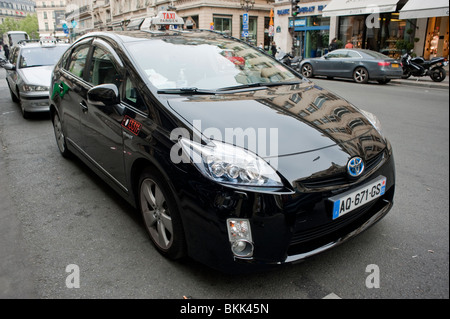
(247, 4)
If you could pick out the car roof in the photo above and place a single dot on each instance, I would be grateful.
(136, 35)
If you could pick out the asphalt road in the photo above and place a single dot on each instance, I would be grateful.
(55, 213)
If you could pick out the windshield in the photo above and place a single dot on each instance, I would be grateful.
(39, 56)
(14, 38)
(205, 63)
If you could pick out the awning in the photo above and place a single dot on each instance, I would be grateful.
(424, 9)
(356, 7)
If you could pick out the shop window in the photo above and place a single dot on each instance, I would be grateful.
(222, 24)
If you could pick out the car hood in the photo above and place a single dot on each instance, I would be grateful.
(40, 75)
(284, 120)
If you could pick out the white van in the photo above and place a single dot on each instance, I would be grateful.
(13, 37)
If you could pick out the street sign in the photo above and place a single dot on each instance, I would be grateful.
(245, 22)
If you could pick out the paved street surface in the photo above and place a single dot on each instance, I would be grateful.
(55, 212)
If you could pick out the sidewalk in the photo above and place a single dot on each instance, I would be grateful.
(425, 81)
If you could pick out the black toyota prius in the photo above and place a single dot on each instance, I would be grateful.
(231, 157)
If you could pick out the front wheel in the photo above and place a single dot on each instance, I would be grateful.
(438, 75)
(161, 216)
(406, 74)
(361, 75)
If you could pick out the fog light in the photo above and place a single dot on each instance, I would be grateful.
(240, 236)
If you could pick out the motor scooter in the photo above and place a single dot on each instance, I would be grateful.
(289, 60)
(420, 67)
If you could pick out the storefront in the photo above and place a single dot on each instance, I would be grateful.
(378, 27)
(306, 34)
(432, 26)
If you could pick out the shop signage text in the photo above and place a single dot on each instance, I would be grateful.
(311, 9)
(283, 12)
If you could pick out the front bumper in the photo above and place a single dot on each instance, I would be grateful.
(285, 228)
(35, 101)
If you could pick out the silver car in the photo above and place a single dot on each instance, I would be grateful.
(28, 74)
(357, 64)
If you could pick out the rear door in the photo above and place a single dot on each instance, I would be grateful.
(73, 92)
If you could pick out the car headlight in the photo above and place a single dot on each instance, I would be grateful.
(34, 88)
(373, 120)
(228, 164)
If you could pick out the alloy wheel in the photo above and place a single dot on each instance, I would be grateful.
(361, 75)
(307, 70)
(156, 214)
(59, 134)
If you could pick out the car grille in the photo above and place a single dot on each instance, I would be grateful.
(341, 179)
(307, 240)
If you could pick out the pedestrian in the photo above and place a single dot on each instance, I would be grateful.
(349, 45)
(333, 45)
(273, 48)
(6, 49)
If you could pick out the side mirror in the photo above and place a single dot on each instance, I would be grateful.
(9, 66)
(103, 95)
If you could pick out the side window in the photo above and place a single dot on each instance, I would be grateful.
(353, 55)
(133, 97)
(102, 69)
(78, 61)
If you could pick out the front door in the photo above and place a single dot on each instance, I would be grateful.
(102, 126)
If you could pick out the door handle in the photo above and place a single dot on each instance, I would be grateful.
(84, 106)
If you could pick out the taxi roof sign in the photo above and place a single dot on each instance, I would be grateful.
(163, 18)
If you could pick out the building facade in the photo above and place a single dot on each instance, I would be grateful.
(303, 27)
(51, 16)
(17, 9)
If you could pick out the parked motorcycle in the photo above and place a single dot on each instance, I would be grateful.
(289, 60)
(420, 67)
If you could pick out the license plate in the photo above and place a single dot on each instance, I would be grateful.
(395, 65)
(351, 200)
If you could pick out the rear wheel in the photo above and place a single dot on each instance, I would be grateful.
(307, 70)
(160, 213)
(361, 75)
(438, 75)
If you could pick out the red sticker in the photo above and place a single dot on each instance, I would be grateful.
(132, 125)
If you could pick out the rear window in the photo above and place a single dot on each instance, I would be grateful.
(376, 55)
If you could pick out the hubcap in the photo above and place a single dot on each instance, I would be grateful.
(360, 75)
(156, 214)
(307, 71)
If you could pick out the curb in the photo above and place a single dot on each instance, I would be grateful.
(426, 84)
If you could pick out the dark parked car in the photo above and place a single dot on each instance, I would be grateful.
(357, 64)
(229, 163)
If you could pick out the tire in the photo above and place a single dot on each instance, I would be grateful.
(161, 215)
(14, 98)
(59, 135)
(438, 75)
(406, 74)
(361, 75)
(307, 70)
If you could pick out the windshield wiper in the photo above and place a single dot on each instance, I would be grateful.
(192, 90)
(258, 84)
